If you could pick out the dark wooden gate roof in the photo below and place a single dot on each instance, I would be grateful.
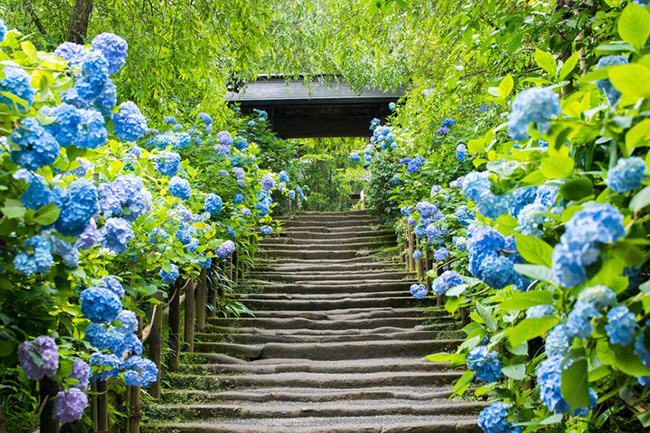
(297, 110)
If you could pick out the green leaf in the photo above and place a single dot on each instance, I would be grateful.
(627, 361)
(638, 135)
(516, 372)
(634, 25)
(456, 290)
(523, 300)
(486, 315)
(558, 165)
(13, 209)
(537, 272)
(47, 215)
(506, 86)
(515, 42)
(534, 250)
(568, 66)
(530, 328)
(546, 61)
(640, 200)
(632, 80)
(576, 189)
(575, 380)
(534, 178)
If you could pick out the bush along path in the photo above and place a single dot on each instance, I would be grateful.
(335, 345)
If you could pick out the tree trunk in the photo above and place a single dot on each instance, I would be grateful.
(78, 24)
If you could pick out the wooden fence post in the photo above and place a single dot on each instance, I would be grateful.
(134, 414)
(411, 246)
(155, 344)
(189, 315)
(200, 300)
(102, 406)
(48, 391)
(175, 326)
(212, 289)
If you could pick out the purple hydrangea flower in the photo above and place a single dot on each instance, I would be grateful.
(42, 347)
(69, 405)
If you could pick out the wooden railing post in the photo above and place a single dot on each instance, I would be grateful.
(134, 408)
(155, 343)
(175, 326)
(189, 315)
(212, 289)
(48, 391)
(200, 300)
(411, 250)
(102, 406)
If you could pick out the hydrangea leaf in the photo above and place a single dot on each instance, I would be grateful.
(640, 200)
(634, 25)
(505, 86)
(523, 300)
(558, 165)
(534, 250)
(576, 189)
(537, 272)
(13, 209)
(627, 361)
(530, 328)
(546, 61)
(516, 371)
(638, 135)
(632, 80)
(569, 66)
(47, 215)
(575, 380)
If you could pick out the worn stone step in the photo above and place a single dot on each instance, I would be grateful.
(271, 247)
(352, 294)
(332, 223)
(371, 424)
(332, 287)
(320, 324)
(352, 276)
(224, 331)
(326, 217)
(282, 409)
(284, 240)
(351, 212)
(361, 262)
(424, 313)
(260, 338)
(313, 254)
(321, 304)
(313, 380)
(330, 351)
(310, 233)
(423, 393)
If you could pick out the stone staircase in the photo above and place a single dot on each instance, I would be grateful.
(336, 345)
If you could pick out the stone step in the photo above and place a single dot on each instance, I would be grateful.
(421, 312)
(370, 424)
(313, 380)
(362, 262)
(281, 409)
(351, 212)
(341, 231)
(260, 338)
(271, 247)
(352, 276)
(338, 324)
(331, 287)
(326, 217)
(283, 365)
(307, 233)
(313, 254)
(316, 297)
(332, 223)
(224, 331)
(321, 304)
(331, 351)
(283, 240)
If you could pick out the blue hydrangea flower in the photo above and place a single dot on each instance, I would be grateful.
(168, 163)
(213, 203)
(224, 138)
(67, 119)
(17, 82)
(419, 291)
(140, 372)
(611, 93)
(621, 325)
(100, 305)
(37, 146)
(483, 108)
(600, 296)
(486, 364)
(569, 261)
(94, 76)
(579, 319)
(461, 152)
(539, 311)
(183, 234)
(46, 348)
(426, 209)
(114, 49)
(262, 207)
(80, 204)
(36, 258)
(627, 175)
(445, 281)
(206, 118)
(498, 272)
(530, 218)
(72, 53)
(116, 234)
(69, 405)
(92, 130)
(558, 341)
(80, 372)
(226, 249)
(492, 205)
(125, 197)
(180, 188)
(415, 164)
(104, 366)
(239, 198)
(417, 255)
(549, 379)
(38, 194)
(536, 105)
(268, 182)
(475, 183)
(494, 419)
(441, 254)
(130, 123)
(169, 277)
(67, 251)
(640, 348)
(240, 142)
(245, 212)
(89, 237)
(520, 198)
(443, 130)
(292, 195)
(266, 230)
(354, 157)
